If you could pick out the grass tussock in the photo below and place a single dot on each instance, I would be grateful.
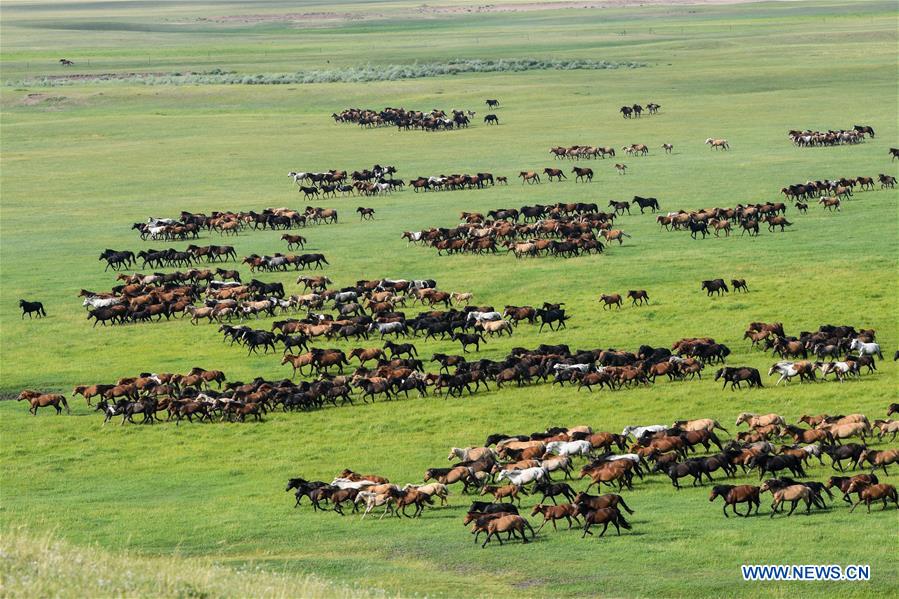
(360, 74)
(40, 565)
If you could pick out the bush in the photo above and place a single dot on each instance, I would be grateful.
(361, 74)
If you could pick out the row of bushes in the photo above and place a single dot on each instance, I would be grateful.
(362, 74)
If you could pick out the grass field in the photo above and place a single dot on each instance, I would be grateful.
(82, 162)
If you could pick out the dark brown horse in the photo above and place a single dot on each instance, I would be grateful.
(638, 296)
(610, 300)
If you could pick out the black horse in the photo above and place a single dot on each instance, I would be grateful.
(735, 376)
(548, 317)
(30, 308)
(651, 203)
(717, 286)
(698, 227)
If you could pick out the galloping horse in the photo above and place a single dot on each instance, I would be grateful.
(32, 307)
(42, 400)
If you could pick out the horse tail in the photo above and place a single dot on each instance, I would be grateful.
(63, 401)
(534, 533)
(624, 523)
(624, 505)
(720, 428)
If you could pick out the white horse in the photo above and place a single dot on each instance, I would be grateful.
(569, 448)
(866, 349)
(839, 369)
(482, 316)
(345, 483)
(94, 301)
(523, 477)
(786, 370)
(630, 457)
(566, 367)
(639, 431)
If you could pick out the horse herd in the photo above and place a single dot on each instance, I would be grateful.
(507, 468)
(562, 230)
(749, 218)
(188, 225)
(808, 138)
(378, 180)
(408, 120)
(828, 190)
(636, 110)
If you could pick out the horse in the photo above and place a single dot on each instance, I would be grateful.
(651, 203)
(733, 495)
(523, 477)
(554, 172)
(717, 143)
(366, 213)
(638, 296)
(32, 307)
(793, 494)
(583, 173)
(551, 513)
(507, 523)
(41, 400)
(668, 148)
(604, 516)
(529, 177)
(621, 168)
(879, 459)
(866, 349)
(714, 286)
(491, 119)
(739, 285)
(736, 375)
(492, 103)
(610, 300)
(548, 317)
(869, 493)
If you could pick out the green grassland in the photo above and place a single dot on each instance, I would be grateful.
(83, 162)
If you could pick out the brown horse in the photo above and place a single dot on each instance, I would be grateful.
(614, 235)
(89, 391)
(610, 300)
(42, 400)
(879, 459)
(509, 523)
(529, 177)
(737, 494)
(500, 493)
(869, 493)
(604, 516)
(793, 493)
(366, 355)
(551, 513)
(554, 172)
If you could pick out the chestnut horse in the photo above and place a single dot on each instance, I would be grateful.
(42, 400)
(737, 494)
